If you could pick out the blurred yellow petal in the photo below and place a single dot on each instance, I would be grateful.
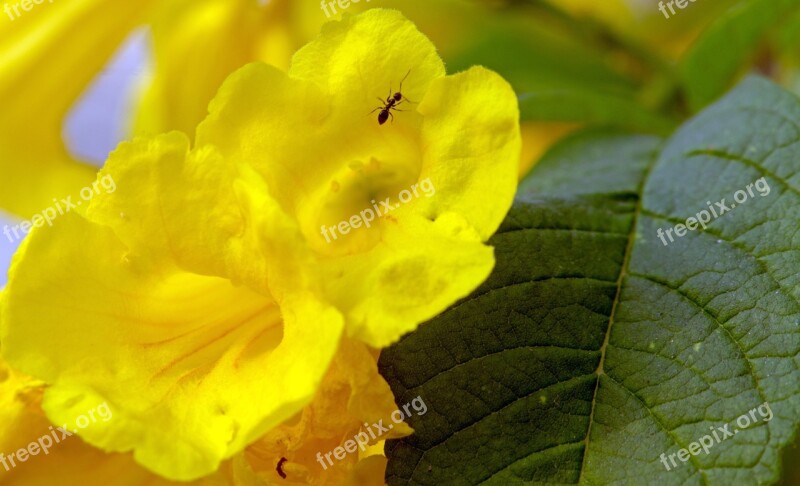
(537, 138)
(47, 58)
(197, 44)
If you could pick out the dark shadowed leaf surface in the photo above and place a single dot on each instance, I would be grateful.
(594, 348)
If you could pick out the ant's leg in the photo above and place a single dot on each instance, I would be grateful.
(390, 114)
(373, 111)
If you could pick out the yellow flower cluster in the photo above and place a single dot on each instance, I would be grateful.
(200, 301)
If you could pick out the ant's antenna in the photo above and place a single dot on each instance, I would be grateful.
(404, 78)
(401, 87)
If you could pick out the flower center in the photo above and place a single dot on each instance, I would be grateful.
(359, 198)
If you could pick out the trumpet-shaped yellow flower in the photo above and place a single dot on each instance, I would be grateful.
(202, 302)
(351, 394)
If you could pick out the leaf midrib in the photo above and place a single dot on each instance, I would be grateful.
(622, 274)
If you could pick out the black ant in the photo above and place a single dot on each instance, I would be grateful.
(391, 103)
(280, 467)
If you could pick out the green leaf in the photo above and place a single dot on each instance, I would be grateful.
(593, 348)
(592, 107)
(717, 57)
(532, 54)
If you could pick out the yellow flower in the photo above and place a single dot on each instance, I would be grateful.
(352, 393)
(202, 302)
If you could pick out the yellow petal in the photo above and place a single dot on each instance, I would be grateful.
(368, 472)
(194, 209)
(463, 141)
(177, 356)
(471, 131)
(366, 56)
(48, 56)
(62, 461)
(197, 44)
(352, 398)
(419, 269)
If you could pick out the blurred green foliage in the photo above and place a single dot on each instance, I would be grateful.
(626, 58)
